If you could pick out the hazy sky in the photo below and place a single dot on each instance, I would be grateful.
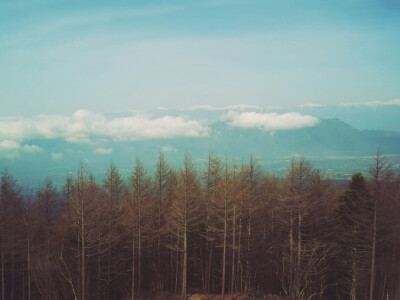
(111, 56)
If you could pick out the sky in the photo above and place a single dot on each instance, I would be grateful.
(58, 57)
(95, 80)
(116, 71)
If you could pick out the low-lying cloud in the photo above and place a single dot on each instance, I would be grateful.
(306, 105)
(85, 127)
(269, 121)
(168, 148)
(374, 104)
(102, 150)
(56, 155)
(221, 108)
(11, 148)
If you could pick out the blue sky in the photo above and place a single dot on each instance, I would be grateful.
(57, 57)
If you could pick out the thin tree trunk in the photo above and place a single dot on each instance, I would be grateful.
(82, 251)
(233, 250)
(299, 246)
(224, 245)
(3, 289)
(184, 266)
(133, 268)
(3, 239)
(79, 264)
(177, 266)
(239, 263)
(139, 254)
(171, 261)
(291, 250)
(158, 270)
(353, 289)
(109, 271)
(98, 271)
(247, 279)
(372, 280)
(12, 267)
(29, 248)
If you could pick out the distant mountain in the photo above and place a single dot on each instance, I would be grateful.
(329, 138)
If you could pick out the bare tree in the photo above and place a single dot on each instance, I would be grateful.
(141, 191)
(185, 215)
(379, 171)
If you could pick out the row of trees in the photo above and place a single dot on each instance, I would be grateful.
(230, 228)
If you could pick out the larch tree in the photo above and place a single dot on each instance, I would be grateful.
(84, 211)
(141, 189)
(353, 219)
(115, 188)
(380, 173)
(252, 195)
(10, 220)
(185, 216)
(161, 187)
(48, 208)
(211, 177)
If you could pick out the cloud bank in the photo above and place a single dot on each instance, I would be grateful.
(57, 155)
(12, 149)
(102, 150)
(219, 108)
(395, 102)
(269, 121)
(168, 148)
(85, 127)
(311, 105)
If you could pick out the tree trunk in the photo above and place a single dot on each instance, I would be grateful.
(291, 252)
(298, 267)
(3, 287)
(184, 265)
(248, 276)
(12, 268)
(224, 248)
(239, 256)
(29, 247)
(177, 266)
(82, 251)
(139, 253)
(3, 239)
(133, 268)
(233, 250)
(372, 280)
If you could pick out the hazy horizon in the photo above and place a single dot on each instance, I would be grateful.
(103, 81)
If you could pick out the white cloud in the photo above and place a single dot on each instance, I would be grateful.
(311, 105)
(168, 148)
(7, 145)
(269, 121)
(55, 156)
(218, 108)
(103, 150)
(31, 148)
(395, 102)
(12, 149)
(85, 127)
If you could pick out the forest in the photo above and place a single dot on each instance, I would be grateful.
(228, 228)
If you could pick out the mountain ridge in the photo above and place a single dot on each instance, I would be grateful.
(328, 138)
